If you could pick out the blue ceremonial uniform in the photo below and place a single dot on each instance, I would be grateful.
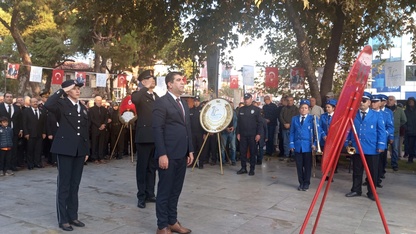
(372, 135)
(301, 139)
(389, 125)
(325, 123)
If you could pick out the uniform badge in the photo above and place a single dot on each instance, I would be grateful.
(252, 111)
(85, 112)
(372, 126)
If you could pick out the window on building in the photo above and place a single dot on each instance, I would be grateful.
(411, 73)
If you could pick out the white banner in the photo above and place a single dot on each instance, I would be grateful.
(395, 74)
(101, 80)
(248, 75)
(35, 74)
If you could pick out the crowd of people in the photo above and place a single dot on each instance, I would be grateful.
(32, 134)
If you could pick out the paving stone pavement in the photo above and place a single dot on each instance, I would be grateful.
(268, 202)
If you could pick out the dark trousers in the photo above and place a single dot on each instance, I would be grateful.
(34, 151)
(69, 177)
(119, 147)
(304, 168)
(5, 156)
(270, 139)
(280, 138)
(382, 165)
(411, 143)
(358, 171)
(145, 170)
(197, 141)
(47, 143)
(211, 149)
(21, 153)
(248, 142)
(98, 145)
(168, 191)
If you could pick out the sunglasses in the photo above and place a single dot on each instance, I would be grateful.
(364, 100)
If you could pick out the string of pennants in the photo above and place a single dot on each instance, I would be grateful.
(58, 75)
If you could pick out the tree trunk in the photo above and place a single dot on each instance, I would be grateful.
(303, 47)
(332, 52)
(24, 54)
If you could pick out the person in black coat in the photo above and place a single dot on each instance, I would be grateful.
(51, 128)
(14, 114)
(174, 151)
(99, 120)
(34, 132)
(71, 144)
(144, 100)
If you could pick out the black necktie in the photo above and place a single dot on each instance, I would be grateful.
(303, 119)
(36, 113)
(363, 115)
(76, 107)
(180, 107)
(10, 111)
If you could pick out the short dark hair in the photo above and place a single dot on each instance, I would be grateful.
(7, 92)
(170, 77)
(4, 118)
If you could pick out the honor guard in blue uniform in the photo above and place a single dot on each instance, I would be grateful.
(249, 130)
(302, 142)
(72, 146)
(389, 121)
(371, 132)
(325, 122)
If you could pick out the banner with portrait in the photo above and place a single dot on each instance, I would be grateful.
(297, 78)
(35, 74)
(12, 70)
(248, 75)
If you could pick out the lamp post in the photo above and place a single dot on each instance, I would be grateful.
(5, 61)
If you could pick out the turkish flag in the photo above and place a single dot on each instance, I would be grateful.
(57, 76)
(121, 80)
(234, 82)
(184, 80)
(127, 105)
(272, 77)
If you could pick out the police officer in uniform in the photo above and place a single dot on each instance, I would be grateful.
(249, 130)
(71, 144)
(371, 132)
(146, 165)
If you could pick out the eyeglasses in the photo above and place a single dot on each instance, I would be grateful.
(364, 100)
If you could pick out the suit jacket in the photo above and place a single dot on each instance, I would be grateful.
(51, 125)
(33, 125)
(16, 117)
(371, 132)
(302, 137)
(171, 133)
(72, 137)
(144, 106)
(98, 116)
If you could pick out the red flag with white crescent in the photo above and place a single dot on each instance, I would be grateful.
(57, 76)
(184, 80)
(272, 77)
(121, 80)
(127, 105)
(234, 82)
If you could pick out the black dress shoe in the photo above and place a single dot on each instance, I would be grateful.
(77, 223)
(379, 186)
(365, 183)
(141, 204)
(371, 197)
(38, 166)
(201, 166)
(305, 188)
(300, 188)
(353, 194)
(242, 171)
(395, 168)
(151, 199)
(66, 227)
(251, 173)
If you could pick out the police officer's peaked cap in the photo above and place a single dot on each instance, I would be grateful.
(146, 75)
(332, 102)
(68, 83)
(247, 96)
(305, 102)
(375, 98)
(367, 95)
(383, 97)
(44, 94)
(197, 98)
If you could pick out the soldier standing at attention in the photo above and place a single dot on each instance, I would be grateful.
(71, 144)
(249, 130)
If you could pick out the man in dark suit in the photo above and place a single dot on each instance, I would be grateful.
(143, 99)
(99, 119)
(14, 114)
(71, 144)
(34, 132)
(174, 151)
